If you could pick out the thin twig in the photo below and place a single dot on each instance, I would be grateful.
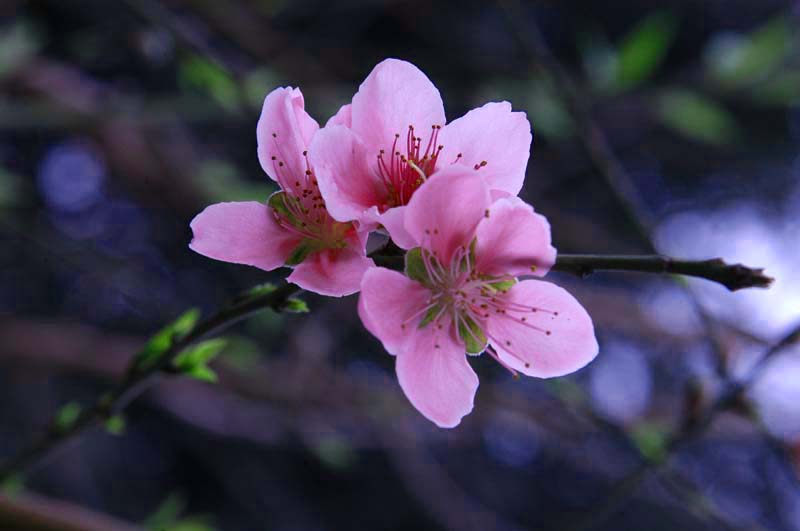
(729, 398)
(137, 381)
(732, 276)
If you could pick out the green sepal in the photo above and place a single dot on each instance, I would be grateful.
(277, 202)
(115, 425)
(295, 305)
(67, 415)
(429, 316)
(300, 253)
(415, 266)
(472, 335)
(503, 285)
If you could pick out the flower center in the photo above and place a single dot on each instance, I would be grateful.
(407, 165)
(299, 208)
(467, 299)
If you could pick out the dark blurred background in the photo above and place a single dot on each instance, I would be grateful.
(120, 120)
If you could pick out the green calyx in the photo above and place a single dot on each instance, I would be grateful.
(471, 333)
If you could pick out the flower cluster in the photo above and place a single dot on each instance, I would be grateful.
(446, 193)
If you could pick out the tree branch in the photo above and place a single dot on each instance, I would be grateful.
(137, 381)
(732, 276)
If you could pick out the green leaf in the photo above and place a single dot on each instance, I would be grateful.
(168, 517)
(13, 485)
(193, 361)
(335, 452)
(415, 266)
(197, 71)
(472, 334)
(651, 440)
(781, 89)
(67, 415)
(221, 181)
(697, 117)
(115, 425)
(295, 305)
(164, 338)
(643, 50)
(744, 60)
(548, 112)
(261, 289)
(201, 353)
(18, 43)
(202, 373)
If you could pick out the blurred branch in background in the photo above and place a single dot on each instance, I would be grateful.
(606, 161)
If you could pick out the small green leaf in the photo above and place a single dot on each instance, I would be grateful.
(13, 485)
(295, 305)
(744, 60)
(164, 338)
(651, 440)
(697, 117)
(335, 452)
(472, 335)
(199, 72)
(115, 425)
(202, 373)
(221, 181)
(261, 289)
(300, 253)
(644, 48)
(18, 43)
(193, 361)
(415, 266)
(547, 111)
(67, 415)
(201, 353)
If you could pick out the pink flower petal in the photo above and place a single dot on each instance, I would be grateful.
(344, 116)
(394, 95)
(494, 134)
(436, 377)
(332, 272)
(391, 306)
(393, 220)
(514, 240)
(284, 116)
(526, 345)
(345, 180)
(444, 211)
(242, 233)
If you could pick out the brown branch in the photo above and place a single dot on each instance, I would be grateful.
(732, 276)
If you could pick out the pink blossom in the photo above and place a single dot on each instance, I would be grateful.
(377, 151)
(460, 294)
(294, 227)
